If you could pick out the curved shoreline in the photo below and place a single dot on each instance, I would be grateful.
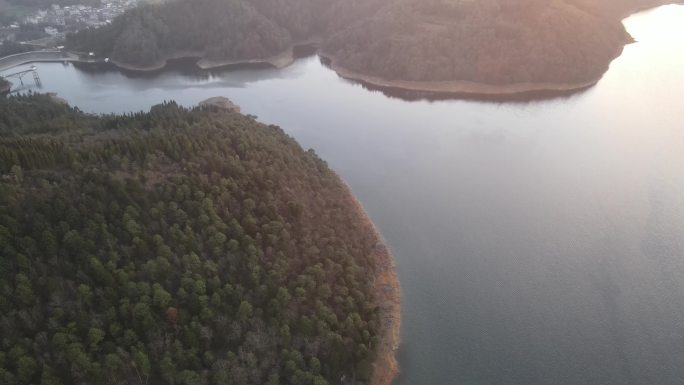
(278, 61)
(464, 88)
(281, 60)
(429, 88)
(388, 291)
(460, 87)
(448, 88)
(385, 283)
(159, 65)
(453, 88)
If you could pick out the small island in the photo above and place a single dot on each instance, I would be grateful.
(485, 47)
(183, 245)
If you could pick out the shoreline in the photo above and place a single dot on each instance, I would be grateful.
(278, 61)
(452, 88)
(159, 65)
(388, 291)
(464, 88)
(459, 87)
(430, 88)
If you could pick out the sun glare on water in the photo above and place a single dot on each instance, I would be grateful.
(668, 33)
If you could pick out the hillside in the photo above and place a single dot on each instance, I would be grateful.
(178, 246)
(491, 42)
(488, 41)
(541, 44)
(227, 30)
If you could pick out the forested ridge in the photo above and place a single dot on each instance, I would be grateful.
(487, 41)
(216, 29)
(178, 246)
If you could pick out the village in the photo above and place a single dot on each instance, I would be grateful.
(49, 25)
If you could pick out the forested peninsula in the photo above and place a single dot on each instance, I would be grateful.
(182, 246)
(484, 46)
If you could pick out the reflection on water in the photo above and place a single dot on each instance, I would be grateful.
(537, 243)
(521, 97)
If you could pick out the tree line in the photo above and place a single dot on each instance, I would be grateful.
(487, 41)
(177, 246)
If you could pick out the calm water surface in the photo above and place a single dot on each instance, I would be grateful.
(537, 243)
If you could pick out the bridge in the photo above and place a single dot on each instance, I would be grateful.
(47, 55)
(20, 75)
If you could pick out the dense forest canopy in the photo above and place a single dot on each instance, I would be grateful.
(178, 246)
(225, 29)
(488, 41)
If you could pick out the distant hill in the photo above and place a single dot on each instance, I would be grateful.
(497, 42)
(177, 246)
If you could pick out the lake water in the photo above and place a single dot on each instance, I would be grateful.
(537, 243)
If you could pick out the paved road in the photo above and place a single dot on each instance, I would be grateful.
(8, 62)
